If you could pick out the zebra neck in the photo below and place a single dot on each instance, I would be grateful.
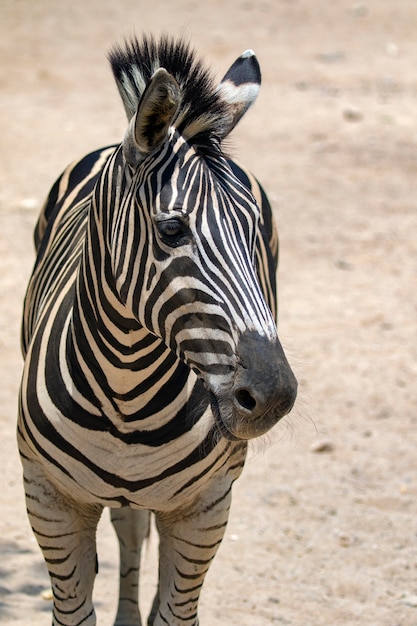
(125, 372)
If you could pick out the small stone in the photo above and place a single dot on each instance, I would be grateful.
(28, 204)
(360, 10)
(410, 600)
(352, 114)
(46, 594)
(322, 445)
(273, 600)
(344, 265)
(301, 85)
(331, 57)
(234, 537)
(392, 49)
(345, 541)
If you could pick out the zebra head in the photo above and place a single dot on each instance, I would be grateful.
(188, 266)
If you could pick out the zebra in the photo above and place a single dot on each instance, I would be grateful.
(151, 354)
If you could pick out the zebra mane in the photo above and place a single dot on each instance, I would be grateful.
(202, 115)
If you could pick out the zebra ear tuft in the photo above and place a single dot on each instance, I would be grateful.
(157, 109)
(240, 87)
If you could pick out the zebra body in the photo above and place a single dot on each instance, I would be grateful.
(151, 353)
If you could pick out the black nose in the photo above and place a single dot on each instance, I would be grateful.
(264, 382)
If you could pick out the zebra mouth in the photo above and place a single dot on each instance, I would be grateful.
(221, 426)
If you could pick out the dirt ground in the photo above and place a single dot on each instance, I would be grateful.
(323, 530)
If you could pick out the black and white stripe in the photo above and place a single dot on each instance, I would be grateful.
(151, 351)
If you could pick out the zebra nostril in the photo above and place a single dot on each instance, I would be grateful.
(245, 399)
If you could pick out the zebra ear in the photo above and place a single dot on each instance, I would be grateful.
(149, 127)
(240, 86)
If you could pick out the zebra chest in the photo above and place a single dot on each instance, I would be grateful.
(97, 450)
(112, 469)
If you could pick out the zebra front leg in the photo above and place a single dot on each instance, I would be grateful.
(189, 540)
(66, 533)
(132, 527)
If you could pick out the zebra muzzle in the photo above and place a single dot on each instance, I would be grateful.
(263, 391)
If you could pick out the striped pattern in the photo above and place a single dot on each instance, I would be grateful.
(154, 278)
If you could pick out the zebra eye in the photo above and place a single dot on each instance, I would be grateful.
(173, 231)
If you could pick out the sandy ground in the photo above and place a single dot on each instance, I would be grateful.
(324, 524)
